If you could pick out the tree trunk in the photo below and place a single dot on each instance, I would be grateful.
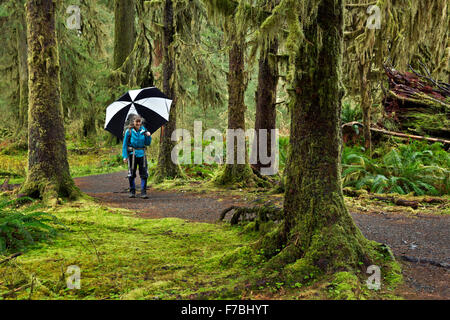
(318, 234)
(366, 103)
(266, 96)
(23, 70)
(236, 172)
(166, 167)
(124, 34)
(48, 169)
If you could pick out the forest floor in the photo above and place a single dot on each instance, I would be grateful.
(418, 238)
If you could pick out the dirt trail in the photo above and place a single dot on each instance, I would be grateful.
(421, 242)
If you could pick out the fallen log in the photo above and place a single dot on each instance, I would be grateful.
(398, 134)
(393, 199)
(398, 201)
(417, 103)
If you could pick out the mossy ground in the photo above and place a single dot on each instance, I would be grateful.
(13, 164)
(122, 256)
(125, 257)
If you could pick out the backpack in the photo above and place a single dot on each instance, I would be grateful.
(129, 138)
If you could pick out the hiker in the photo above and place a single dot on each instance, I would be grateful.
(133, 151)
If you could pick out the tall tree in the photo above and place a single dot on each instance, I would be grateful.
(266, 92)
(318, 234)
(124, 35)
(237, 83)
(21, 38)
(48, 173)
(266, 96)
(166, 168)
(234, 15)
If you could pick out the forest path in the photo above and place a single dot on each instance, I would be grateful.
(421, 242)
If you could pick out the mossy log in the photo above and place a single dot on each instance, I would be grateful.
(418, 104)
(399, 201)
(350, 134)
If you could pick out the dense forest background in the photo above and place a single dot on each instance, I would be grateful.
(359, 91)
(87, 60)
(96, 67)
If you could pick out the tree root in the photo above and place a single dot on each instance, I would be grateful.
(260, 213)
(425, 260)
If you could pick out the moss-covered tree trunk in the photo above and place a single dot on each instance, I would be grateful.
(23, 70)
(48, 169)
(124, 34)
(366, 103)
(318, 234)
(235, 172)
(166, 168)
(266, 96)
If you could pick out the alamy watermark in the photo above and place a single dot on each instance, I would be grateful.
(236, 151)
(73, 22)
(374, 20)
(73, 281)
(374, 281)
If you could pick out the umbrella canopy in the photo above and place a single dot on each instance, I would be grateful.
(150, 103)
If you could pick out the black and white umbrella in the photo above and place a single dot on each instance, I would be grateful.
(150, 103)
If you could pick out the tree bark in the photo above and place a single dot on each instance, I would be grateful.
(166, 167)
(235, 172)
(48, 170)
(318, 234)
(23, 70)
(266, 96)
(124, 34)
(366, 103)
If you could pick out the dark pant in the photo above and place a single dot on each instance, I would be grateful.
(143, 172)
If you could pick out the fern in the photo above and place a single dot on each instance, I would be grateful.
(19, 230)
(415, 168)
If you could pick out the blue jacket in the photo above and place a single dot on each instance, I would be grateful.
(138, 140)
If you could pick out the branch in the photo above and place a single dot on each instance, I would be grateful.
(15, 255)
(398, 134)
(358, 5)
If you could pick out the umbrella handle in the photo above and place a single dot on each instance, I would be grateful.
(161, 133)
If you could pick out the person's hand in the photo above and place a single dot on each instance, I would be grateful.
(147, 134)
(125, 160)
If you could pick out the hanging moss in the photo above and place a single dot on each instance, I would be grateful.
(410, 32)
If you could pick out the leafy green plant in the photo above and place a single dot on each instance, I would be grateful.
(283, 143)
(414, 168)
(350, 113)
(21, 229)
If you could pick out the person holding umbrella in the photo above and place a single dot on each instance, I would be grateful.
(133, 152)
(138, 105)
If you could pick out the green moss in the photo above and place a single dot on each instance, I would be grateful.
(125, 257)
(344, 286)
(241, 258)
(301, 271)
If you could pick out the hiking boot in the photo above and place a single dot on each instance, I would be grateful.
(132, 195)
(144, 195)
